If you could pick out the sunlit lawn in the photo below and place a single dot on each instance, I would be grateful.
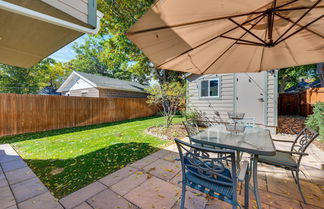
(68, 159)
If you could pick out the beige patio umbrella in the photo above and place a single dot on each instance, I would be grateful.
(226, 36)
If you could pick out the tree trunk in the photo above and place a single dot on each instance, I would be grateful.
(282, 85)
(161, 75)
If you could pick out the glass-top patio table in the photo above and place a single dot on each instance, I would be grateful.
(255, 141)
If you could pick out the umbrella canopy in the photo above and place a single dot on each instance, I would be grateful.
(222, 36)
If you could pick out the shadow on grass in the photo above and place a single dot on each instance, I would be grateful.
(64, 176)
(37, 135)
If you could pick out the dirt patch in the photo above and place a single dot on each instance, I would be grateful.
(286, 124)
(57, 171)
(174, 131)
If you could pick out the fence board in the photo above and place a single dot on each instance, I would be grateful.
(300, 103)
(32, 113)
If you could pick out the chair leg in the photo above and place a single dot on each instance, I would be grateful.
(292, 172)
(246, 190)
(183, 195)
(299, 186)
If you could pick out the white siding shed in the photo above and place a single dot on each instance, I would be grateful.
(255, 94)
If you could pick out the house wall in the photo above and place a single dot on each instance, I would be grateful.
(79, 84)
(76, 8)
(120, 94)
(90, 92)
(107, 93)
(227, 101)
(222, 105)
(272, 100)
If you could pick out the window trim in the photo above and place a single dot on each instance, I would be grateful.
(210, 97)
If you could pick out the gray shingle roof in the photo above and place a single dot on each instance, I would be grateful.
(112, 83)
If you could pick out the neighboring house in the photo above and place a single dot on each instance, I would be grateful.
(255, 94)
(31, 30)
(90, 85)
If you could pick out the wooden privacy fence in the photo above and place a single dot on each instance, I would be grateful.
(300, 103)
(33, 113)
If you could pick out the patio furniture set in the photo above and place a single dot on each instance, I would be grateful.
(211, 162)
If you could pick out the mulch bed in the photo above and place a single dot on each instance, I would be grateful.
(174, 131)
(286, 124)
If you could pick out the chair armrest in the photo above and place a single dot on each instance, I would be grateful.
(243, 171)
(297, 153)
(287, 141)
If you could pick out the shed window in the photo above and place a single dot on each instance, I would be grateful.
(84, 93)
(209, 88)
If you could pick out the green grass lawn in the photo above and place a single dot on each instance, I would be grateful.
(68, 159)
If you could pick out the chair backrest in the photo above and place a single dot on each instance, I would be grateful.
(216, 166)
(303, 140)
(191, 127)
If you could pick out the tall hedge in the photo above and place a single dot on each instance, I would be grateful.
(316, 120)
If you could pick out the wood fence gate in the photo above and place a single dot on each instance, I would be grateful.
(299, 103)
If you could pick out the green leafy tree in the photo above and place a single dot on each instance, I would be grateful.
(169, 97)
(119, 16)
(25, 80)
(90, 59)
(56, 74)
(289, 77)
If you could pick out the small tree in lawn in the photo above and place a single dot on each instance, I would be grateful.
(169, 97)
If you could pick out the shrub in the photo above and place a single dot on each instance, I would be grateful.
(169, 97)
(190, 114)
(316, 120)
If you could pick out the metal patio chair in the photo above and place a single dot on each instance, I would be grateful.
(191, 127)
(290, 160)
(204, 171)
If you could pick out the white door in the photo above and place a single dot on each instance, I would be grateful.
(250, 95)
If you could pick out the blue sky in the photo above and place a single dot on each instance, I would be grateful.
(67, 53)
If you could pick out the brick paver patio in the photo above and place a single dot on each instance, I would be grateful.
(153, 183)
(19, 186)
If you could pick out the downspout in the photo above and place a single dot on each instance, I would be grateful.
(46, 18)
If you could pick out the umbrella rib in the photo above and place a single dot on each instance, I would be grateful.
(209, 40)
(271, 21)
(250, 44)
(286, 4)
(232, 45)
(300, 29)
(297, 8)
(238, 39)
(289, 20)
(299, 19)
(192, 23)
(248, 31)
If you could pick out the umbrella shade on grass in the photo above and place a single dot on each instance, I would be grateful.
(221, 36)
